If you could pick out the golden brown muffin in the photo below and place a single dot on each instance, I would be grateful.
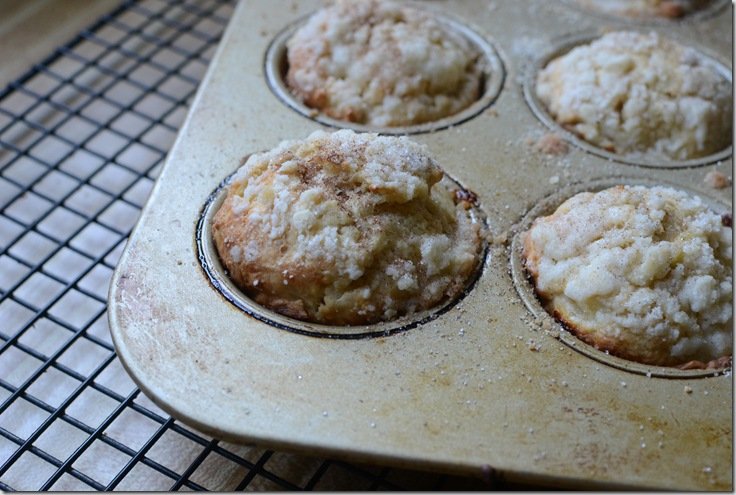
(347, 229)
(381, 63)
(643, 273)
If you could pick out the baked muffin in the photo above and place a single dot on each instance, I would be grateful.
(639, 95)
(382, 63)
(347, 229)
(646, 9)
(644, 273)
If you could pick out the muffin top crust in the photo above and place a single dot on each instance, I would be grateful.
(639, 94)
(345, 228)
(644, 273)
(382, 63)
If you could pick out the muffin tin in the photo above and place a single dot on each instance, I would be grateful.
(489, 384)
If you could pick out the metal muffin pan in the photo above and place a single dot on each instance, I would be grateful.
(488, 384)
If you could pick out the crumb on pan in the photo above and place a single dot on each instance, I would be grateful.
(643, 273)
(717, 180)
(345, 228)
(382, 63)
(551, 143)
(639, 94)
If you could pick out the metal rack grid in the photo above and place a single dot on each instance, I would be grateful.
(82, 138)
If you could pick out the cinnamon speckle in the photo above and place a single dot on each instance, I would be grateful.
(727, 220)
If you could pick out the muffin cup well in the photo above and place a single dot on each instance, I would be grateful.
(564, 45)
(494, 74)
(527, 292)
(222, 283)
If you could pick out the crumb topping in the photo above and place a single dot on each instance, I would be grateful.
(346, 228)
(382, 63)
(644, 273)
(639, 94)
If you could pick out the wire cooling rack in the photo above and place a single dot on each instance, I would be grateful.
(82, 138)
